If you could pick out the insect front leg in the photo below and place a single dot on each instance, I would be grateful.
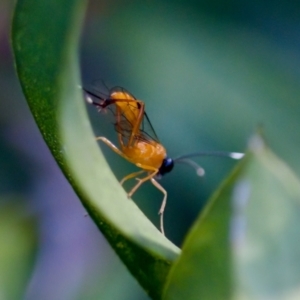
(141, 181)
(132, 175)
(163, 204)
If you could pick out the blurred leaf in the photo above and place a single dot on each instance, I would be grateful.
(246, 243)
(45, 41)
(18, 239)
(124, 286)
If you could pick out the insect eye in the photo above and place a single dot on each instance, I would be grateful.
(167, 166)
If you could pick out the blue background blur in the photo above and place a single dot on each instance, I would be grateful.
(210, 73)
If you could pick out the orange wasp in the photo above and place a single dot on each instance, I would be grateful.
(139, 143)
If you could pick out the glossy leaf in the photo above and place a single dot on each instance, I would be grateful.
(45, 49)
(246, 243)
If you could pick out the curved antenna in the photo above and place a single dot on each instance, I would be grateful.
(199, 170)
(233, 155)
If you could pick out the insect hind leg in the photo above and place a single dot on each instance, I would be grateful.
(111, 146)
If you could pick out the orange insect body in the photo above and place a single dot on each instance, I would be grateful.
(131, 113)
(146, 154)
(136, 144)
(139, 152)
(139, 143)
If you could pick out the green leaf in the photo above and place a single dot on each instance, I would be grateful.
(45, 41)
(246, 243)
(18, 240)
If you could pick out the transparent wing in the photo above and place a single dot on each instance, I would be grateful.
(125, 114)
(127, 117)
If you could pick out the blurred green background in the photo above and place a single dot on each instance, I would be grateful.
(210, 73)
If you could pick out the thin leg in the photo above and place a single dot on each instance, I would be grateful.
(132, 175)
(140, 182)
(163, 205)
(111, 146)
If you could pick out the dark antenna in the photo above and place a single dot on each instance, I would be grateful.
(185, 159)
